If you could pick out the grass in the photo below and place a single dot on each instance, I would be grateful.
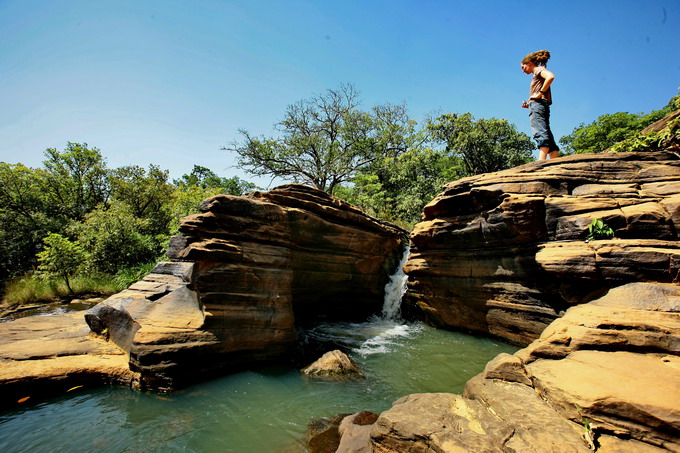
(30, 289)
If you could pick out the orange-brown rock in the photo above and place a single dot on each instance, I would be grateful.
(604, 377)
(247, 270)
(505, 253)
(50, 355)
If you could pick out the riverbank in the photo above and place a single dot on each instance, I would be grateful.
(264, 409)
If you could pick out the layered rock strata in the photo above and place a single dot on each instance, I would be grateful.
(246, 271)
(505, 253)
(604, 377)
(50, 355)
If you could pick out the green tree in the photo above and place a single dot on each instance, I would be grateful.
(611, 128)
(191, 189)
(398, 189)
(25, 218)
(61, 258)
(326, 140)
(205, 178)
(76, 180)
(484, 145)
(147, 193)
(113, 237)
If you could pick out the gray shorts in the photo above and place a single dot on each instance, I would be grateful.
(539, 116)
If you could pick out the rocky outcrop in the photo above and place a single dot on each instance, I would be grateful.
(333, 364)
(606, 376)
(505, 253)
(246, 271)
(50, 355)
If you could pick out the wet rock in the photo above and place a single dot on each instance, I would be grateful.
(355, 432)
(323, 435)
(333, 364)
(604, 376)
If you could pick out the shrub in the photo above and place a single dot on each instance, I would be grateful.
(129, 275)
(61, 258)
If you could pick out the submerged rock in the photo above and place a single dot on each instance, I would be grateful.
(333, 364)
(323, 435)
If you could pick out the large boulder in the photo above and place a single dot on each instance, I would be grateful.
(505, 253)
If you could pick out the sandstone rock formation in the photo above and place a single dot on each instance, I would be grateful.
(247, 270)
(49, 355)
(505, 253)
(606, 376)
(333, 364)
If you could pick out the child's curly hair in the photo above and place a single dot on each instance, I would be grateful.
(540, 57)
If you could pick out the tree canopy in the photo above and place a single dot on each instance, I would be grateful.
(116, 217)
(611, 128)
(483, 145)
(325, 140)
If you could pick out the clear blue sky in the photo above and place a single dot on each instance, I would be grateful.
(169, 82)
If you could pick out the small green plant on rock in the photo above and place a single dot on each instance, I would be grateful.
(589, 435)
(598, 229)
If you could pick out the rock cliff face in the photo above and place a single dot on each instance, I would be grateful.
(246, 271)
(505, 253)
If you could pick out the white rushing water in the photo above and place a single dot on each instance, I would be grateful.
(395, 289)
(380, 334)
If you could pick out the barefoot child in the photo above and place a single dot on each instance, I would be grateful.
(540, 99)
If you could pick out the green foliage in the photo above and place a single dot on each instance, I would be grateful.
(26, 217)
(61, 258)
(397, 189)
(326, 140)
(204, 178)
(650, 141)
(31, 288)
(147, 194)
(75, 180)
(114, 238)
(129, 275)
(609, 129)
(598, 229)
(484, 145)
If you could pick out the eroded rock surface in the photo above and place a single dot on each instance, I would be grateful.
(245, 271)
(333, 364)
(606, 376)
(48, 355)
(505, 253)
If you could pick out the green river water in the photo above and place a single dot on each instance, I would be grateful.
(263, 410)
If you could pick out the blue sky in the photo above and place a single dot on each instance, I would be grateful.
(170, 82)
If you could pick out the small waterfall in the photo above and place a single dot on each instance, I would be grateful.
(380, 334)
(395, 289)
